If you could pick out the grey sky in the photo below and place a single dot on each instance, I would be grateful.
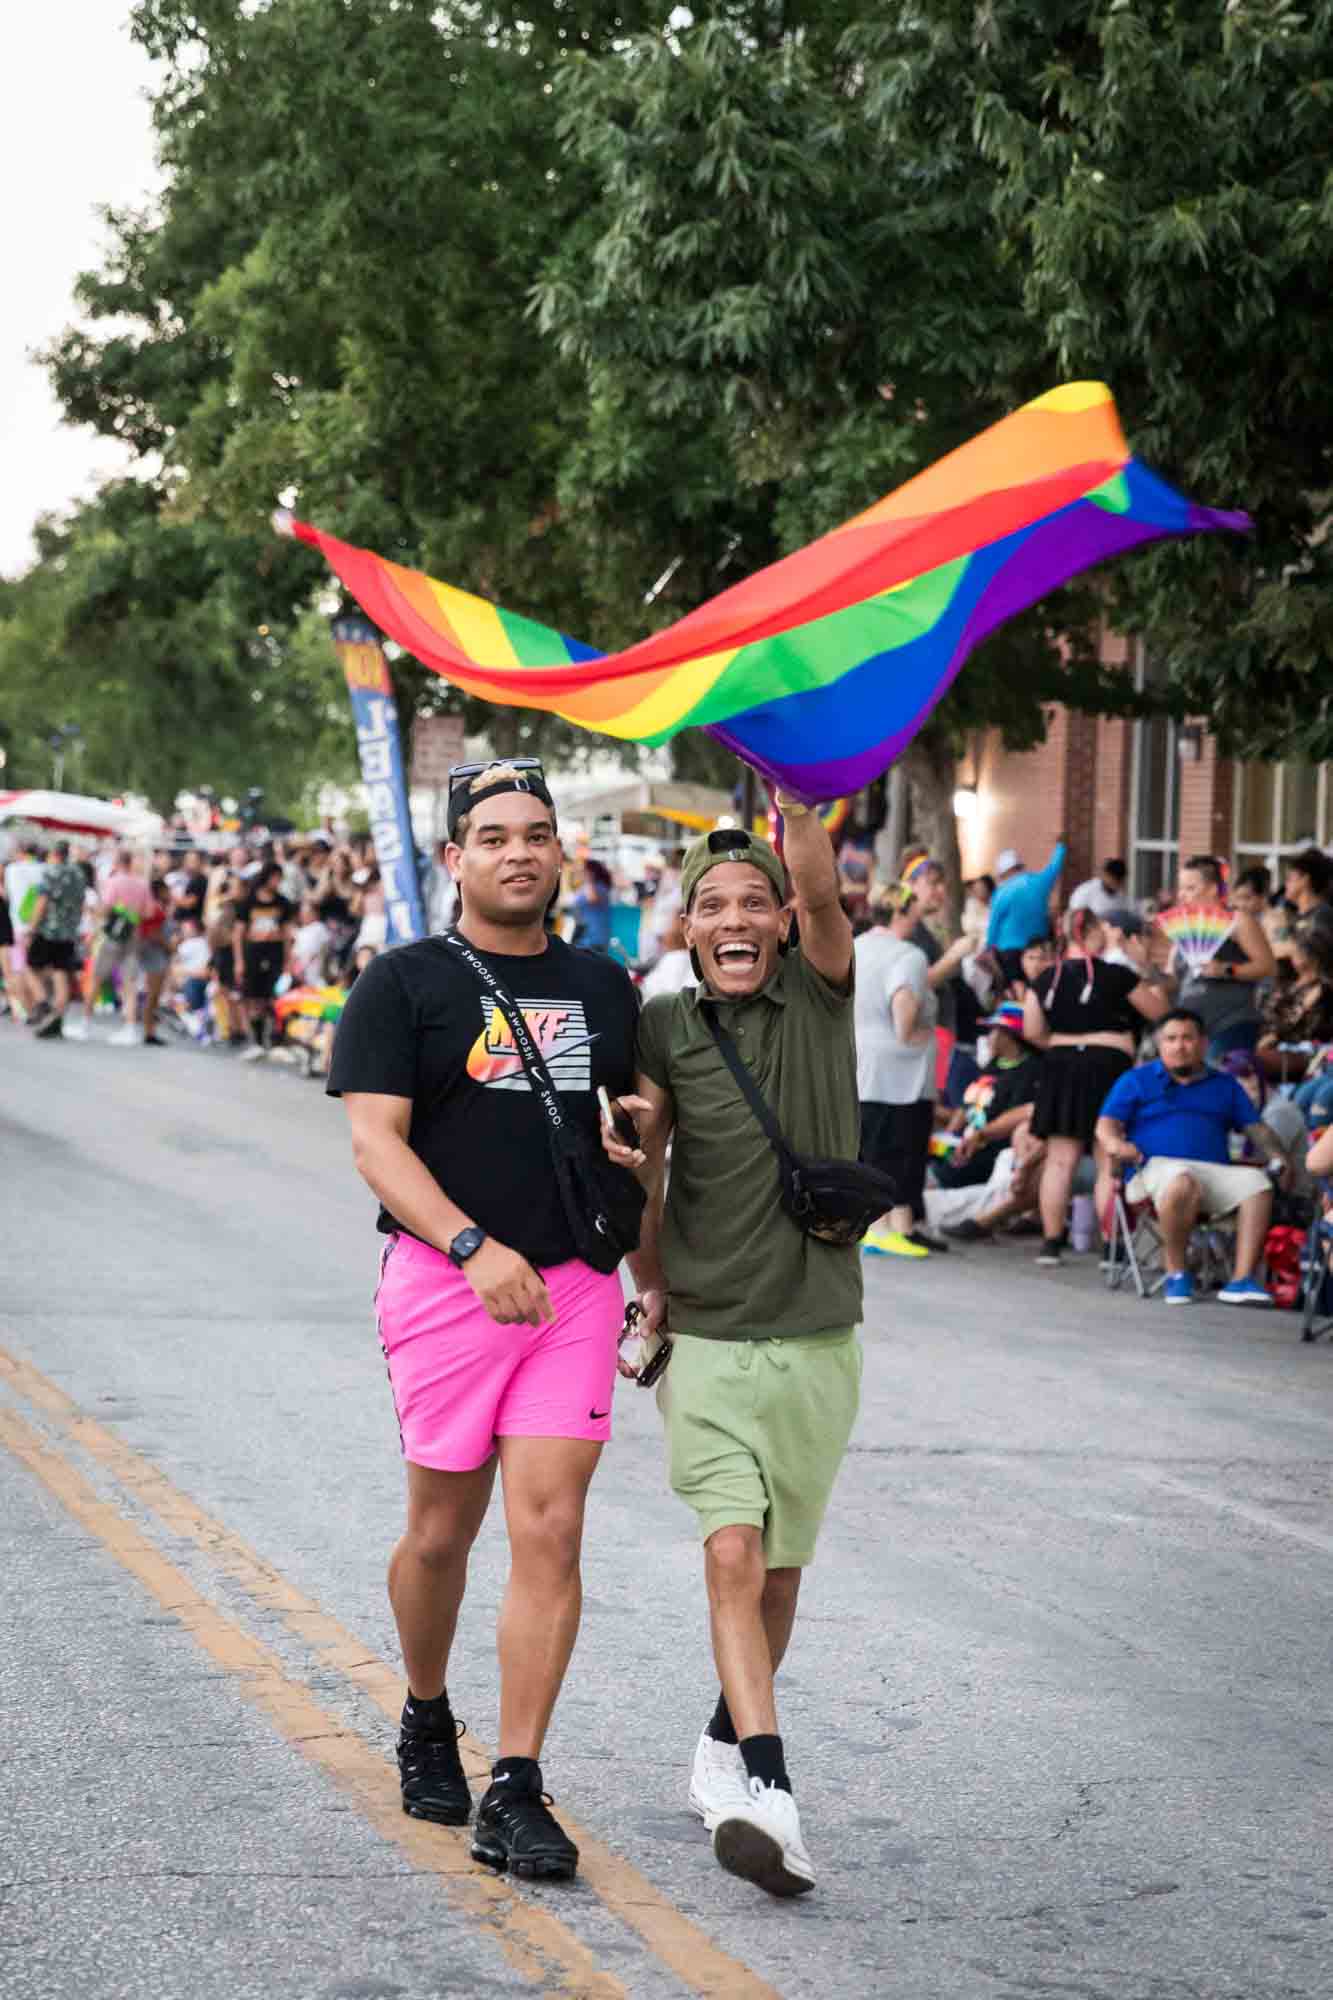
(75, 135)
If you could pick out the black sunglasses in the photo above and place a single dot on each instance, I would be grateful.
(461, 774)
(726, 839)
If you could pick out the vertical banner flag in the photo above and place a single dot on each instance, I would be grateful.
(380, 752)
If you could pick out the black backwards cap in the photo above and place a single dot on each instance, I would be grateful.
(489, 781)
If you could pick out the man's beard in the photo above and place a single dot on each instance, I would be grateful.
(1183, 1074)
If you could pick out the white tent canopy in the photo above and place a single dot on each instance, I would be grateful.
(67, 812)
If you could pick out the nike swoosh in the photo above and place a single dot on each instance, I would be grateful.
(597, 1415)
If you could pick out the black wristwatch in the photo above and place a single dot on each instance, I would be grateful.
(466, 1244)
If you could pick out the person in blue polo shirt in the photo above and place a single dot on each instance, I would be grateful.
(1172, 1119)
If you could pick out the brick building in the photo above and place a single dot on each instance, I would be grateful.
(1150, 791)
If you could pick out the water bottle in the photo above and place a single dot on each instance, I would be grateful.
(1083, 1223)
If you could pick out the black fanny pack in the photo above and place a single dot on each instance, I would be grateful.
(603, 1203)
(833, 1200)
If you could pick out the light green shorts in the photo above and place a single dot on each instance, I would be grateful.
(756, 1431)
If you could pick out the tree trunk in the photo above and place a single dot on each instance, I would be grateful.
(892, 836)
(931, 769)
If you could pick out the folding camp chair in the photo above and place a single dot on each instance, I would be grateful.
(1135, 1254)
(1133, 1244)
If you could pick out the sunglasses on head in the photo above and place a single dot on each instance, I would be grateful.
(463, 774)
(723, 839)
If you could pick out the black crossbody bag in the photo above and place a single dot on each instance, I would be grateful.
(833, 1200)
(603, 1203)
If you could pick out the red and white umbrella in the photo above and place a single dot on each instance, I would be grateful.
(67, 812)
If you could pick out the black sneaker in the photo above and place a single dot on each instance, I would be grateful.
(49, 1029)
(515, 1829)
(968, 1232)
(927, 1239)
(1051, 1247)
(431, 1772)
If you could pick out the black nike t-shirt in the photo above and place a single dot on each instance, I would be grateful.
(418, 1025)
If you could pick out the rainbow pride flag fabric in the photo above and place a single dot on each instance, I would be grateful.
(820, 669)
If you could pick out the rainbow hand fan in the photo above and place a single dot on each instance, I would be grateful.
(1197, 935)
(820, 670)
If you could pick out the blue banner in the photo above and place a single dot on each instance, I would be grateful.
(381, 757)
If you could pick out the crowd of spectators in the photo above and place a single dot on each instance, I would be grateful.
(173, 943)
(1016, 1047)
(1024, 1065)
(253, 946)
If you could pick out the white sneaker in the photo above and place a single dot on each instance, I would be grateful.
(74, 1031)
(760, 1840)
(126, 1038)
(254, 1053)
(718, 1781)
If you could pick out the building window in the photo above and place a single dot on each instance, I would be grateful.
(1280, 808)
(1156, 819)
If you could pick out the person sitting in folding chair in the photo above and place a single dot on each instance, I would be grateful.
(1172, 1119)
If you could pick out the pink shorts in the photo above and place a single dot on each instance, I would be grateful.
(460, 1380)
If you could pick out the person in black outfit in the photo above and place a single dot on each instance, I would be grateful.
(261, 937)
(1086, 1017)
(501, 1343)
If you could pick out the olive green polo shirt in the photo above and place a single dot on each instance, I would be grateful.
(737, 1267)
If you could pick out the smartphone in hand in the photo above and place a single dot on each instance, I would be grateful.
(619, 1122)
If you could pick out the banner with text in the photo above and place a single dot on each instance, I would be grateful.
(381, 756)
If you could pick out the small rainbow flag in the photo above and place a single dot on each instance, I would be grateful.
(820, 669)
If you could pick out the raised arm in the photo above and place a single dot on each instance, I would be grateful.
(826, 935)
(1051, 873)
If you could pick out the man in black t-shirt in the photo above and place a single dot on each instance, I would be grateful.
(501, 1343)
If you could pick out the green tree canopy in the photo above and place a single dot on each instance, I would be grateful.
(569, 312)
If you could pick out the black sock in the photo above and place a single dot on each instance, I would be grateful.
(764, 1760)
(523, 1774)
(722, 1729)
(434, 1716)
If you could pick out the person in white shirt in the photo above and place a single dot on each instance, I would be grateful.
(674, 970)
(22, 877)
(309, 946)
(1103, 892)
(896, 1013)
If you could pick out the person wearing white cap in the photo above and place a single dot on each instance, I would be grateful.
(1020, 907)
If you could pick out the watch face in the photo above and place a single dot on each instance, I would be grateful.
(466, 1242)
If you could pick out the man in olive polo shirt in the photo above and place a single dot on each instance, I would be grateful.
(764, 1380)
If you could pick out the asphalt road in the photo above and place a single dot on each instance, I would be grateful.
(1059, 1710)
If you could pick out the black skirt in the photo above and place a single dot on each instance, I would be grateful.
(6, 927)
(1071, 1091)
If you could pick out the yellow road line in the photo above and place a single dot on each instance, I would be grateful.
(540, 1947)
(701, 1965)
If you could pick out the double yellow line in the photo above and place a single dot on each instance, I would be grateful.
(535, 1941)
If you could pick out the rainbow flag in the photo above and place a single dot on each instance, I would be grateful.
(820, 669)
